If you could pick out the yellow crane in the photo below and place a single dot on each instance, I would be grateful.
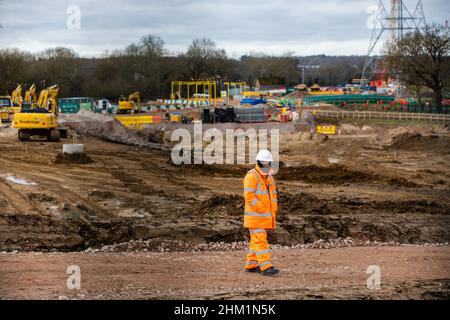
(40, 120)
(129, 105)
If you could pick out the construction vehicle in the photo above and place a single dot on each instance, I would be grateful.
(129, 105)
(41, 119)
(29, 100)
(10, 104)
(5, 105)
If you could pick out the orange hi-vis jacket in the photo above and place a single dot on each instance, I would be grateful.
(260, 195)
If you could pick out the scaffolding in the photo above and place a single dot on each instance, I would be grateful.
(204, 91)
(208, 90)
(238, 87)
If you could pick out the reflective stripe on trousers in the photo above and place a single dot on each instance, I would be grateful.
(259, 254)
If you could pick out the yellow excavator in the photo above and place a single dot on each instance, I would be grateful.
(41, 119)
(5, 105)
(129, 105)
(29, 101)
(10, 104)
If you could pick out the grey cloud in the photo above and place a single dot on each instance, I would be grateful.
(328, 25)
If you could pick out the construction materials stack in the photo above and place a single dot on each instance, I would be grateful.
(251, 115)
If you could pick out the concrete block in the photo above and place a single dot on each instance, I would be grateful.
(73, 148)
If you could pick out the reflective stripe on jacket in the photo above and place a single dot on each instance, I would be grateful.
(260, 200)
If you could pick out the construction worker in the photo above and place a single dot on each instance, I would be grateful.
(260, 212)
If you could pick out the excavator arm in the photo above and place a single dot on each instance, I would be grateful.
(30, 96)
(17, 96)
(48, 96)
(128, 106)
(136, 96)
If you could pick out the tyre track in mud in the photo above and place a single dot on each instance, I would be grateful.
(15, 198)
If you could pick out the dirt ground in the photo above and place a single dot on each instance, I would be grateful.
(406, 273)
(367, 184)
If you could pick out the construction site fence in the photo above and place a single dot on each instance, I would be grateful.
(397, 107)
(349, 98)
(369, 115)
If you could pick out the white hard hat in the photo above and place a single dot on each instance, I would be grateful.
(264, 155)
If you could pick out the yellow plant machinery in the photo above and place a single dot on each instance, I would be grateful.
(5, 111)
(129, 105)
(10, 104)
(41, 119)
(16, 97)
(29, 100)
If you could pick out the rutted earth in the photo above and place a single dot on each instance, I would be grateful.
(367, 184)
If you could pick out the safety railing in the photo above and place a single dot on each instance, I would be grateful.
(369, 115)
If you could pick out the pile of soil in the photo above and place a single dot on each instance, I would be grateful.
(302, 203)
(332, 174)
(154, 133)
(104, 127)
(336, 174)
(216, 170)
(308, 204)
(221, 205)
(414, 141)
(77, 158)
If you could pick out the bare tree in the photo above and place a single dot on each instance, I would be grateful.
(149, 45)
(204, 58)
(422, 58)
(14, 68)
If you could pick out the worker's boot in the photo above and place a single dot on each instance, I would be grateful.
(253, 270)
(270, 272)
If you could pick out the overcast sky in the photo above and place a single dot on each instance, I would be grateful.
(304, 27)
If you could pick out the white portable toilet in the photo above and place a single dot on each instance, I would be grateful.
(104, 106)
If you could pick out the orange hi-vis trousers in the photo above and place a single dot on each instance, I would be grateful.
(259, 250)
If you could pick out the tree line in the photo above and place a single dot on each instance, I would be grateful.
(419, 59)
(148, 67)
